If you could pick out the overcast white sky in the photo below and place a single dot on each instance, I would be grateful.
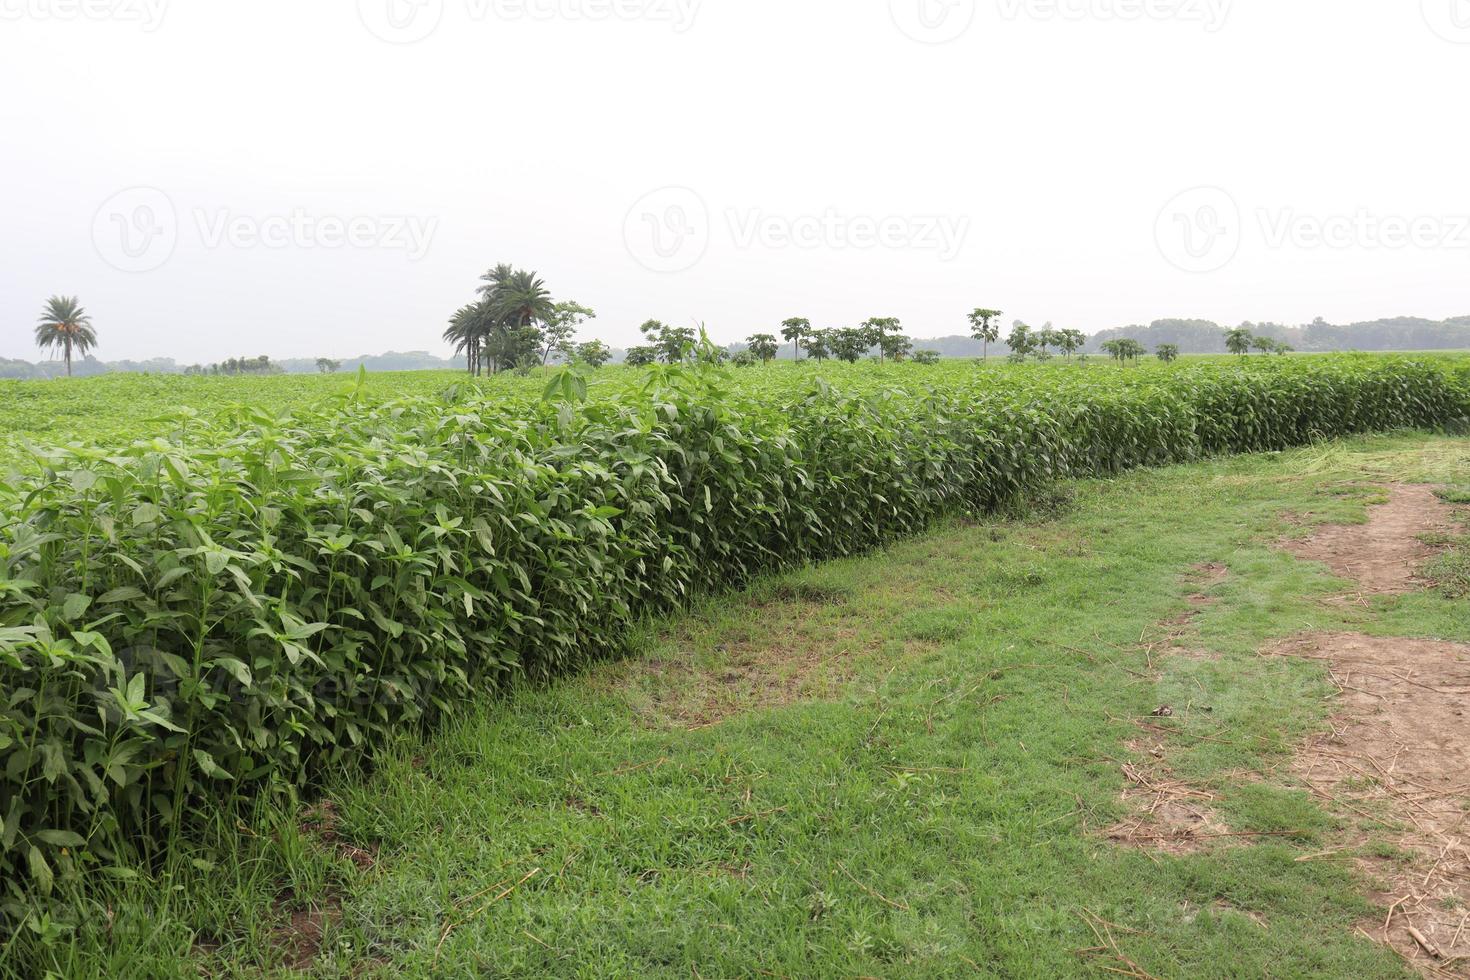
(221, 177)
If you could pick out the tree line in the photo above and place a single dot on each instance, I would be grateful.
(515, 324)
(1395, 333)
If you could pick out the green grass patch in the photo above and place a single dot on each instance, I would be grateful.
(900, 764)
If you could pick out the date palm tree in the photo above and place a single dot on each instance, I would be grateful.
(65, 325)
(522, 298)
(514, 303)
(466, 333)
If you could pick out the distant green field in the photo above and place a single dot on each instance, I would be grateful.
(120, 408)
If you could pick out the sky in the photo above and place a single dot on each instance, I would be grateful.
(218, 177)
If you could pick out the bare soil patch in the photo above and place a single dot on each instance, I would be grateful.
(1172, 816)
(1398, 755)
(1383, 555)
(321, 821)
(1175, 630)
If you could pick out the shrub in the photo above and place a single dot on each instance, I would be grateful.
(184, 623)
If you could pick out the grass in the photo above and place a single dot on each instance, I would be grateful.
(899, 765)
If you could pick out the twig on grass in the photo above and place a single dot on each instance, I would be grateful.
(449, 927)
(630, 769)
(886, 901)
(733, 821)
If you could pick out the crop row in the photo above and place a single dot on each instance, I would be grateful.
(179, 626)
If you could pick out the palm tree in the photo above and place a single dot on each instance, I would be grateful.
(513, 303)
(65, 324)
(523, 299)
(464, 333)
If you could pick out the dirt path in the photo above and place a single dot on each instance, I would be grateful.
(1384, 554)
(1396, 762)
(1398, 755)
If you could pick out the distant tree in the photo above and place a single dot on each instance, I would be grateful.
(328, 366)
(819, 345)
(561, 326)
(521, 298)
(745, 358)
(673, 344)
(515, 304)
(1124, 349)
(594, 354)
(985, 327)
(1070, 341)
(65, 325)
(1047, 337)
(895, 346)
(850, 344)
(465, 332)
(926, 357)
(763, 346)
(879, 327)
(796, 330)
(1239, 341)
(641, 356)
(1263, 344)
(1168, 353)
(1283, 347)
(1021, 341)
(239, 365)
